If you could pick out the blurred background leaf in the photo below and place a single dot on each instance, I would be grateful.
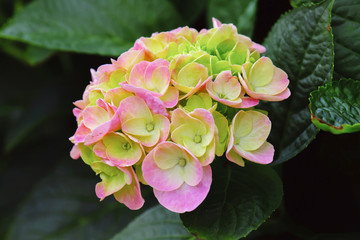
(25, 53)
(197, 7)
(90, 26)
(155, 223)
(241, 13)
(64, 206)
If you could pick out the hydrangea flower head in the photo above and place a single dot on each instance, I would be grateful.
(169, 107)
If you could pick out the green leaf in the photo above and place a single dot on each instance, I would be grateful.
(64, 206)
(345, 24)
(240, 13)
(25, 53)
(90, 26)
(240, 200)
(155, 223)
(298, 3)
(336, 107)
(300, 43)
(183, 6)
(35, 55)
(346, 29)
(34, 115)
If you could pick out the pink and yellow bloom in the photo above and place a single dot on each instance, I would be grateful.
(97, 121)
(196, 132)
(227, 89)
(248, 133)
(140, 124)
(119, 150)
(188, 76)
(122, 182)
(180, 182)
(262, 80)
(167, 44)
(153, 79)
(160, 114)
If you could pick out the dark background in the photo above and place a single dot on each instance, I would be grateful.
(321, 184)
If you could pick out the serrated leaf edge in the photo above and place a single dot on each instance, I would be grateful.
(323, 125)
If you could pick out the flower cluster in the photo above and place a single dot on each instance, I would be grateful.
(164, 110)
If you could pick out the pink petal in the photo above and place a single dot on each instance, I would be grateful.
(138, 90)
(234, 157)
(227, 84)
(247, 102)
(263, 155)
(257, 47)
(161, 179)
(100, 150)
(164, 155)
(137, 75)
(75, 152)
(231, 155)
(116, 95)
(198, 88)
(281, 80)
(192, 172)
(129, 58)
(81, 133)
(171, 97)
(252, 128)
(154, 103)
(80, 104)
(94, 116)
(130, 195)
(99, 132)
(209, 155)
(133, 107)
(278, 83)
(110, 184)
(158, 74)
(178, 118)
(147, 141)
(186, 198)
(165, 127)
(216, 22)
(76, 112)
(102, 74)
(206, 117)
(234, 104)
(274, 98)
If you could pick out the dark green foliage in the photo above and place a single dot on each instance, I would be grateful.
(98, 27)
(346, 29)
(240, 13)
(155, 223)
(300, 43)
(64, 206)
(240, 200)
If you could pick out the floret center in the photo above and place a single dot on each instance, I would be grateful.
(126, 146)
(197, 139)
(149, 127)
(182, 162)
